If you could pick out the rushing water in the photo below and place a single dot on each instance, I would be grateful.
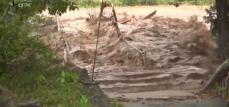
(190, 103)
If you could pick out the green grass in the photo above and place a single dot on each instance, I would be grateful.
(53, 88)
(220, 90)
(117, 104)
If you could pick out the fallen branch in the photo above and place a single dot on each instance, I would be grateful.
(121, 37)
(66, 52)
(58, 23)
(125, 21)
(150, 15)
(219, 74)
(116, 20)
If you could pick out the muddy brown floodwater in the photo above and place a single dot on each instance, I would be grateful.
(166, 57)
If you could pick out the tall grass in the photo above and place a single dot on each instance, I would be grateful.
(93, 3)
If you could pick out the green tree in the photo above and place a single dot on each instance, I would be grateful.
(15, 36)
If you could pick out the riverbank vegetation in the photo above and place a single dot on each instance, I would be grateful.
(91, 3)
(28, 69)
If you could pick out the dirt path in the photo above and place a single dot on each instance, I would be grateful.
(174, 61)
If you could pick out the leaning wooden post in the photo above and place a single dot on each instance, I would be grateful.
(103, 5)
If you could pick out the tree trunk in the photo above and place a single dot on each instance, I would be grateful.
(220, 73)
(222, 7)
(222, 27)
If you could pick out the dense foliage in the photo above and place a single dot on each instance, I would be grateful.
(25, 62)
(17, 44)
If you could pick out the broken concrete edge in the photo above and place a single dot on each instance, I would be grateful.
(94, 92)
(34, 103)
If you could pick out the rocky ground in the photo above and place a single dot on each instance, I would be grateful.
(156, 58)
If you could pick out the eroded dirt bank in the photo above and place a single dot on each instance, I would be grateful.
(157, 58)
